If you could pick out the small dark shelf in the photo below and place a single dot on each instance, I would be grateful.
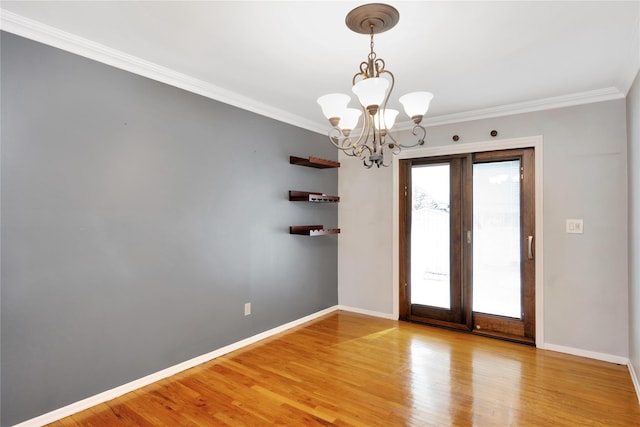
(307, 196)
(312, 230)
(314, 162)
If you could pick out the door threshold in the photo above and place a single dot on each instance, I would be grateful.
(505, 337)
(463, 328)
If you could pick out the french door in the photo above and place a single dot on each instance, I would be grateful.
(467, 225)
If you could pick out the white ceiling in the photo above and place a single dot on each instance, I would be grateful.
(479, 58)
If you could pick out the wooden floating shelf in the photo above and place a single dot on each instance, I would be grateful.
(312, 230)
(307, 196)
(314, 162)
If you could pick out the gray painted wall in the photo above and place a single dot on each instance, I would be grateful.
(137, 219)
(633, 130)
(585, 276)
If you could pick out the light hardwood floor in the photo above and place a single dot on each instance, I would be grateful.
(347, 369)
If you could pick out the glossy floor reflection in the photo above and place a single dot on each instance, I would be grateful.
(348, 369)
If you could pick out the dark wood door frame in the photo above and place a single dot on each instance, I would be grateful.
(534, 323)
(454, 317)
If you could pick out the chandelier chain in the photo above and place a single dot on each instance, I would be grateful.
(373, 68)
(372, 52)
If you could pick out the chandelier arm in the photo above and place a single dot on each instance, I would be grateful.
(379, 65)
(349, 152)
(364, 72)
(364, 133)
(394, 146)
(362, 151)
(382, 131)
(386, 99)
(334, 137)
(417, 130)
(393, 79)
(386, 165)
(393, 142)
(346, 145)
(343, 144)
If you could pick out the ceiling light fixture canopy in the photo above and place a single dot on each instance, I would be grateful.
(372, 85)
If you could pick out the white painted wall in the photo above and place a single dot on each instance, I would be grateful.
(585, 276)
(633, 126)
(365, 243)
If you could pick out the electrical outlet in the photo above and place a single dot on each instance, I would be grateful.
(575, 226)
(247, 309)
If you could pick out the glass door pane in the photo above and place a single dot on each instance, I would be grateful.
(430, 235)
(496, 238)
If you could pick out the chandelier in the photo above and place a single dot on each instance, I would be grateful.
(373, 85)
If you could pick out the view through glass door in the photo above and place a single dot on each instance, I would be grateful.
(467, 231)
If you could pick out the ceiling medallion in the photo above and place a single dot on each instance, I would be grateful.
(372, 85)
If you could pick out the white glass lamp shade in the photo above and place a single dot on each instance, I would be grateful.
(334, 104)
(350, 118)
(416, 103)
(389, 116)
(371, 91)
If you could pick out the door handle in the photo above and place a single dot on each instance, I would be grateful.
(530, 247)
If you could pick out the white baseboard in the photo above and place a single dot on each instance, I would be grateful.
(586, 353)
(600, 356)
(634, 379)
(105, 396)
(367, 312)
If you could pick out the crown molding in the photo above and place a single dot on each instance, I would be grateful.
(54, 37)
(42, 33)
(589, 97)
(569, 100)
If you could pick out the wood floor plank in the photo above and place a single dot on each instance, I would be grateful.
(347, 369)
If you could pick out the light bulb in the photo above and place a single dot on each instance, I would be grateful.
(371, 92)
(416, 104)
(350, 118)
(333, 105)
(387, 120)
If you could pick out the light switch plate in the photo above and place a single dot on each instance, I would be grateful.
(575, 226)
